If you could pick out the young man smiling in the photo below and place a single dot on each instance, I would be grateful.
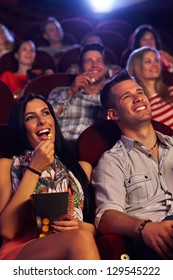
(133, 180)
(78, 106)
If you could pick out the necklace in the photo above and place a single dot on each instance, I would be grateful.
(153, 145)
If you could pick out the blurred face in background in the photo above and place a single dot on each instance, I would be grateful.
(148, 40)
(26, 53)
(151, 68)
(93, 63)
(53, 32)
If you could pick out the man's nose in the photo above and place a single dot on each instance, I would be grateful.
(138, 98)
(94, 62)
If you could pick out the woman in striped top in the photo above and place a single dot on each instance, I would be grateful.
(144, 65)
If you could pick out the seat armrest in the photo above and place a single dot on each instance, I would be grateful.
(115, 247)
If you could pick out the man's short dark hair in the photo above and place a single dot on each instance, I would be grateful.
(106, 96)
(90, 47)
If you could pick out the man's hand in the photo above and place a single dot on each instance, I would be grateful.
(81, 81)
(159, 237)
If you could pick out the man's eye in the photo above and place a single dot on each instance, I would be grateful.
(87, 61)
(100, 61)
(126, 96)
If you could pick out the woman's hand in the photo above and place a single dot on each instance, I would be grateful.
(43, 155)
(65, 223)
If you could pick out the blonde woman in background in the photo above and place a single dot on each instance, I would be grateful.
(145, 66)
(7, 40)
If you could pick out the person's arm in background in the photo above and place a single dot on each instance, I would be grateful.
(167, 60)
(59, 96)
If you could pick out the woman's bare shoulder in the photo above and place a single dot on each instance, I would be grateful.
(87, 167)
(5, 162)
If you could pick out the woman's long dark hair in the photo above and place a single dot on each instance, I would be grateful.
(19, 143)
(140, 32)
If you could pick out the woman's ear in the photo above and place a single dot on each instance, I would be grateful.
(112, 114)
(16, 55)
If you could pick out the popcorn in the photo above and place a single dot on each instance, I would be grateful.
(93, 80)
(49, 136)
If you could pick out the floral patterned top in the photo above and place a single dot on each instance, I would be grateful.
(56, 178)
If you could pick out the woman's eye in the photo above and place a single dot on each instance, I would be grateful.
(29, 118)
(46, 113)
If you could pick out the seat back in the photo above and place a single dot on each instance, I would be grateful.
(77, 26)
(69, 58)
(45, 83)
(112, 40)
(26, 29)
(101, 136)
(68, 39)
(8, 62)
(44, 61)
(118, 25)
(6, 104)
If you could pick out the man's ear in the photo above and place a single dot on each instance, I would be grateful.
(45, 36)
(112, 114)
(106, 70)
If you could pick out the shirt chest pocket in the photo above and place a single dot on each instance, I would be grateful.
(139, 188)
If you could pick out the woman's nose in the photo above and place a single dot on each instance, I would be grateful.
(40, 120)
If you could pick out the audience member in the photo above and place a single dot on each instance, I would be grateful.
(133, 180)
(89, 38)
(94, 38)
(78, 106)
(25, 55)
(144, 65)
(53, 34)
(7, 40)
(39, 163)
(146, 35)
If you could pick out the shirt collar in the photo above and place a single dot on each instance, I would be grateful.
(130, 143)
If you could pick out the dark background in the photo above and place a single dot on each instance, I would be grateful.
(156, 12)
